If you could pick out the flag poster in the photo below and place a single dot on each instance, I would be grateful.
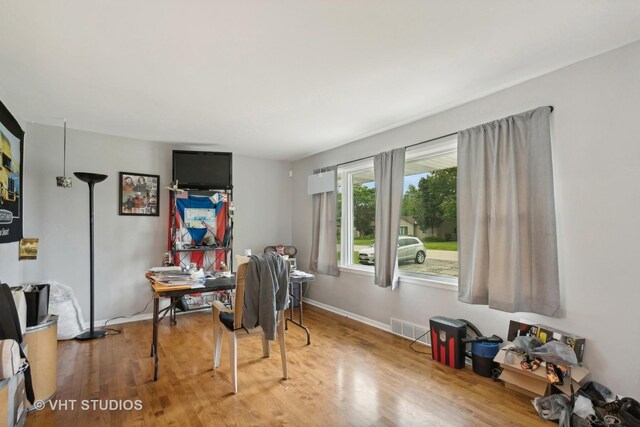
(11, 156)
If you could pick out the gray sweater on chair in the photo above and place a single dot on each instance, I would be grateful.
(266, 292)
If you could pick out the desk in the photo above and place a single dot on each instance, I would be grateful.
(161, 290)
(298, 281)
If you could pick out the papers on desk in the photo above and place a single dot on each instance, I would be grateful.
(193, 283)
(157, 270)
(173, 276)
(298, 273)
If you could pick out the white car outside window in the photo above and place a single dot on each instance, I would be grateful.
(409, 249)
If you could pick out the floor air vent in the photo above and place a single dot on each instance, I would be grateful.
(410, 331)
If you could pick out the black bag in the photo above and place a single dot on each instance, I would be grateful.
(10, 329)
(37, 299)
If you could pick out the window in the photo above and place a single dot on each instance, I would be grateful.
(357, 212)
(428, 246)
(429, 202)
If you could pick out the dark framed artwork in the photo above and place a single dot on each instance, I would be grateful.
(11, 167)
(139, 194)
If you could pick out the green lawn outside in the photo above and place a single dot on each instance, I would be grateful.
(365, 242)
(438, 246)
(355, 257)
(442, 246)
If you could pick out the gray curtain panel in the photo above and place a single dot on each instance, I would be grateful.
(324, 243)
(506, 215)
(388, 169)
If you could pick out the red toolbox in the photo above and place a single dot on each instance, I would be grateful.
(446, 341)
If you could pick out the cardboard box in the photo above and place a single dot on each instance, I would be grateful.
(517, 329)
(534, 383)
(546, 333)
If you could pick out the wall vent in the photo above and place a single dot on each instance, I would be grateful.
(410, 331)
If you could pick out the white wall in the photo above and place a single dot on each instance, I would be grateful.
(597, 183)
(125, 246)
(262, 197)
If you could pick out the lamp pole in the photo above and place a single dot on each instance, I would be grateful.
(92, 179)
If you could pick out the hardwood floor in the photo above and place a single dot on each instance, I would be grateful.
(351, 374)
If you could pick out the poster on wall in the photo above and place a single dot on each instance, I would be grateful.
(11, 156)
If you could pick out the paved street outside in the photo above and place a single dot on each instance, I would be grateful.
(439, 263)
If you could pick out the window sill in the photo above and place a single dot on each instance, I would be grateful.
(450, 284)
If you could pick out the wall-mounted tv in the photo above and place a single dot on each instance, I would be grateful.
(202, 170)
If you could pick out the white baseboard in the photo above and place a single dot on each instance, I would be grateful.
(136, 318)
(99, 323)
(350, 315)
(358, 318)
(339, 311)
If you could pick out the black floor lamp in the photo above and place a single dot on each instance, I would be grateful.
(91, 179)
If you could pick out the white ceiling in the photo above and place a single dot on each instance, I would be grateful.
(283, 78)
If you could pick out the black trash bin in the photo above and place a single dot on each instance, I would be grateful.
(482, 354)
(37, 302)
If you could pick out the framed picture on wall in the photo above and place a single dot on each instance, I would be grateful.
(139, 194)
(11, 166)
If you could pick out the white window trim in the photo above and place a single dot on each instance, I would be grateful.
(433, 149)
(346, 249)
(440, 282)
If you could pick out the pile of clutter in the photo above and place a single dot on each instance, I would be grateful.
(557, 356)
(529, 366)
(592, 405)
(560, 353)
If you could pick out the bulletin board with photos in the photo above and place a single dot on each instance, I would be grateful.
(139, 194)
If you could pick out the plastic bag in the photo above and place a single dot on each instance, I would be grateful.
(63, 302)
(554, 407)
(556, 352)
(524, 344)
(583, 407)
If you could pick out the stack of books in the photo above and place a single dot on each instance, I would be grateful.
(174, 276)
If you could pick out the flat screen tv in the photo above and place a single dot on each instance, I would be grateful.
(202, 170)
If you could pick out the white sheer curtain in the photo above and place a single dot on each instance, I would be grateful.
(388, 169)
(506, 215)
(324, 243)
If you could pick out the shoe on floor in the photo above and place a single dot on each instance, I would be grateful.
(608, 409)
(630, 412)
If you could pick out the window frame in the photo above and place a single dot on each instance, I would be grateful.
(345, 172)
(346, 224)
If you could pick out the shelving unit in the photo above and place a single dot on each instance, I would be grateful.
(212, 255)
(210, 258)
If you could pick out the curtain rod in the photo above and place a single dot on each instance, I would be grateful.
(413, 145)
(406, 146)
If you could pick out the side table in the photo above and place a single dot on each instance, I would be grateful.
(298, 280)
